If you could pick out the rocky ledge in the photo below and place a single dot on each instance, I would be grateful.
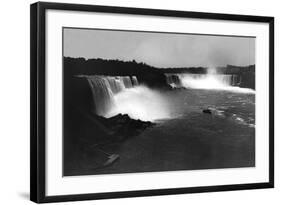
(121, 126)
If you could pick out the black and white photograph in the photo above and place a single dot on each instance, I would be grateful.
(145, 101)
(134, 102)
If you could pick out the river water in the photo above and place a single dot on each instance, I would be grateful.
(185, 138)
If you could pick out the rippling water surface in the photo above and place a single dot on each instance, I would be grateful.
(189, 139)
(236, 107)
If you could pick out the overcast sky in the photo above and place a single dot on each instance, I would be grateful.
(159, 49)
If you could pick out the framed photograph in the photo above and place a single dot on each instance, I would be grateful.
(129, 102)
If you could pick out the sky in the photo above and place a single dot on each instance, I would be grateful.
(159, 49)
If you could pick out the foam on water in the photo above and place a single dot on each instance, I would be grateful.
(123, 94)
(141, 103)
(210, 81)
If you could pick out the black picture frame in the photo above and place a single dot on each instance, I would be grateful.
(38, 100)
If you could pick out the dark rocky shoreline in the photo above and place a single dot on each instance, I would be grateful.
(85, 132)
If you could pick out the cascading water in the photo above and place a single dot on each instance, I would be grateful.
(173, 80)
(102, 95)
(211, 80)
(104, 88)
(135, 81)
(203, 81)
(142, 103)
(113, 95)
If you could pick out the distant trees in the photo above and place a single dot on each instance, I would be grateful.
(146, 74)
(195, 70)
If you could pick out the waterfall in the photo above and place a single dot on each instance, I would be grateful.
(104, 88)
(202, 81)
(114, 95)
(173, 80)
(135, 81)
(126, 81)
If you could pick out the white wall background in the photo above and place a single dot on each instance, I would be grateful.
(14, 100)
